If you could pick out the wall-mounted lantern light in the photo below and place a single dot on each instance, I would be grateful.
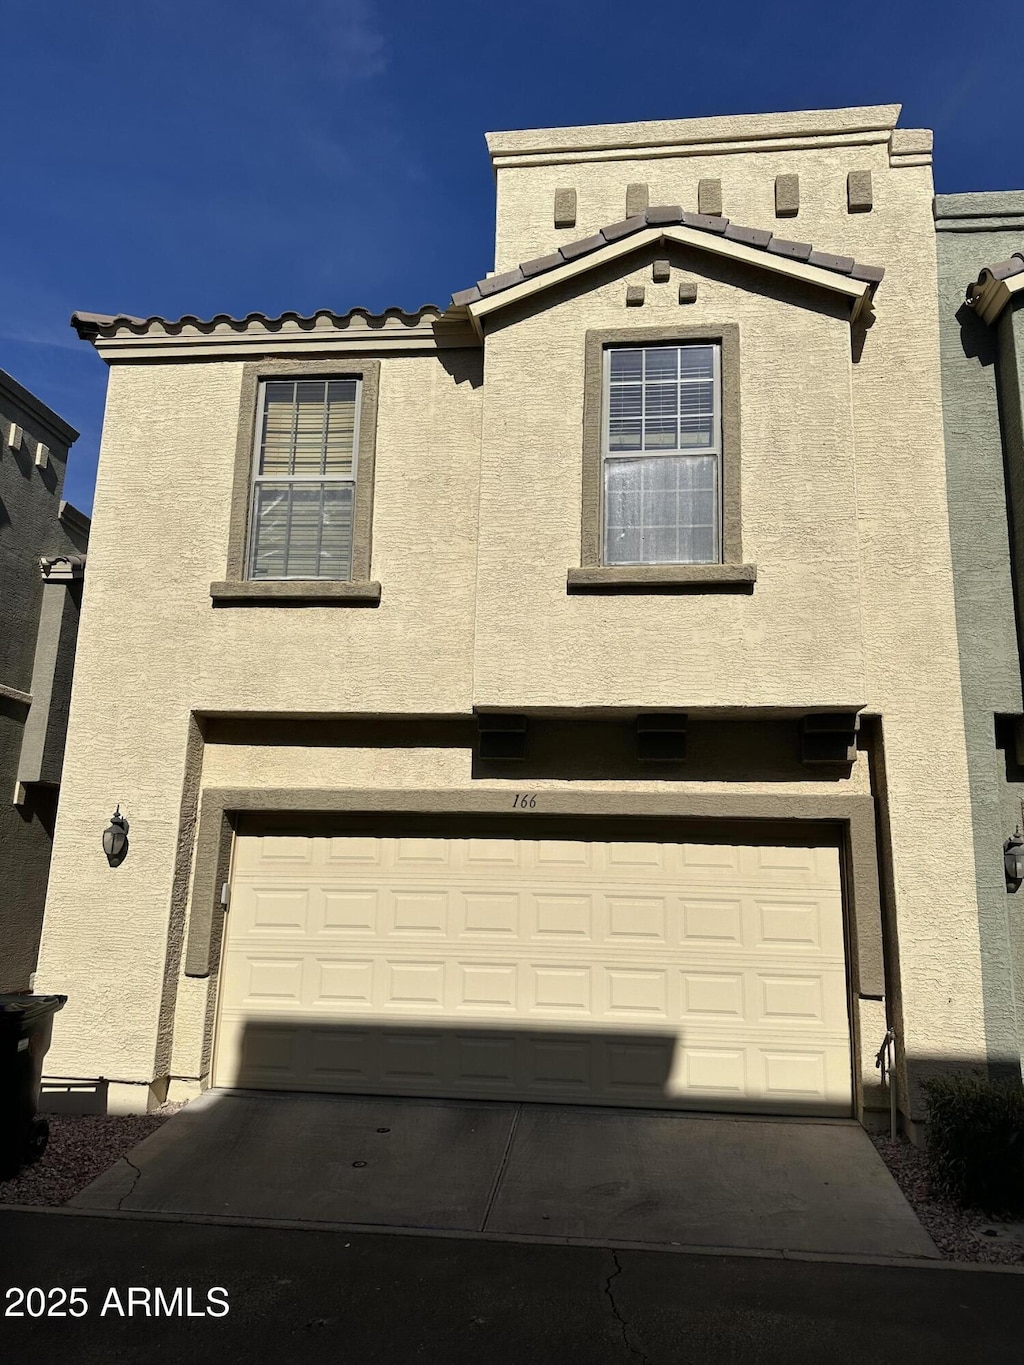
(115, 839)
(1013, 861)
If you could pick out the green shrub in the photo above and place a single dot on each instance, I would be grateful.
(975, 1140)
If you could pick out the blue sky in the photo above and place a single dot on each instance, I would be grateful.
(203, 156)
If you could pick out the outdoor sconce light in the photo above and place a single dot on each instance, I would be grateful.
(115, 839)
(1013, 861)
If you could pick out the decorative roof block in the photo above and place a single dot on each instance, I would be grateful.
(989, 294)
(62, 568)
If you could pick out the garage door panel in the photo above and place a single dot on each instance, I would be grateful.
(416, 912)
(637, 919)
(348, 914)
(712, 995)
(558, 916)
(710, 921)
(336, 1059)
(489, 987)
(685, 975)
(560, 988)
(352, 852)
(487, 914)
(345, 982)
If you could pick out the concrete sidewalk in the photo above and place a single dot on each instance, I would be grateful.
(597, 1175)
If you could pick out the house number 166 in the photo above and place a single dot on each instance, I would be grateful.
(524, 801)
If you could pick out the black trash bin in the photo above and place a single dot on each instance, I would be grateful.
(26, 1025)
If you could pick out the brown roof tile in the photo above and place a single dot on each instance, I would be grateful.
(1003, 270)
(90, 325)
(759, 237)
(664, 215)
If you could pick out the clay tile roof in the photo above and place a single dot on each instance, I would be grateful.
(90, 325)
(761, 239)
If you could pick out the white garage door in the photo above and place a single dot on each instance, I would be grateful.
(682, 975)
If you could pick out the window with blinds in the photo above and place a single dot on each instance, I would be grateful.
(662, 455)
(303, 489)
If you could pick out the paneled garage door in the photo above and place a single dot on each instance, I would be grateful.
(682, 975)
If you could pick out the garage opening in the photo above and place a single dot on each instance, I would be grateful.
(641, 963)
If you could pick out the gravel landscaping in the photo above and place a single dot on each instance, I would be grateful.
(81, 1147)
(960, 1234)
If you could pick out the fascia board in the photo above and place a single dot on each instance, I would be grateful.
(856, 291)
(560, 274)
(778, 265)
(230, 343)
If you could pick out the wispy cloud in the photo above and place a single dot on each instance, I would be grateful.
(339, 42)
(34, 337)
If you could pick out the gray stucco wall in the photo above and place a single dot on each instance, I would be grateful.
(30, 527)
(981, 378)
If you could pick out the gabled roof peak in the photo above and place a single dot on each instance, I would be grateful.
(665, 216)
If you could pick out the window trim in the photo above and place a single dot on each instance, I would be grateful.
(238, 589)
(593, 574)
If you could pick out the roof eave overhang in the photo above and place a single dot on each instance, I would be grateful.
(858, 292)
(116, 339)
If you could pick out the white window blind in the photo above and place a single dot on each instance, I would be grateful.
(662, 455)
(304, 479)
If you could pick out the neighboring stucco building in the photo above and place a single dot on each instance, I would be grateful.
(561, 689)
(42, 561)
(981, 286)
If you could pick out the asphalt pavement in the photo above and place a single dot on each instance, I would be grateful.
(311, 1297)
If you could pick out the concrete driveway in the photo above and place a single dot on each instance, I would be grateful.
(593, 1175)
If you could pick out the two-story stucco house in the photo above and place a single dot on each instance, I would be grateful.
(555, 695)
(981, 287)
(42, 562)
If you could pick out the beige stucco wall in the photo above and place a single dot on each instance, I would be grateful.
(152, 649)
(477, 518)
(525, 197)
(843, 513)
(797, 639)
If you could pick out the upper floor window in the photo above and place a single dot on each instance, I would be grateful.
(304, 479)
(662, 454)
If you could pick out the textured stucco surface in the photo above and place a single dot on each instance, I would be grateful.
(972, 355)
(843, 513)
(29, 528)
(173, 428)
(796, 639)
(477, 515)
(524, 229)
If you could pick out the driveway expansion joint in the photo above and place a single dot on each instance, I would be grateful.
(636, 1353)
(502, 1166)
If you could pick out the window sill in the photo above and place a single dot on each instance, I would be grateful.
(293, 592)
(662, 578)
